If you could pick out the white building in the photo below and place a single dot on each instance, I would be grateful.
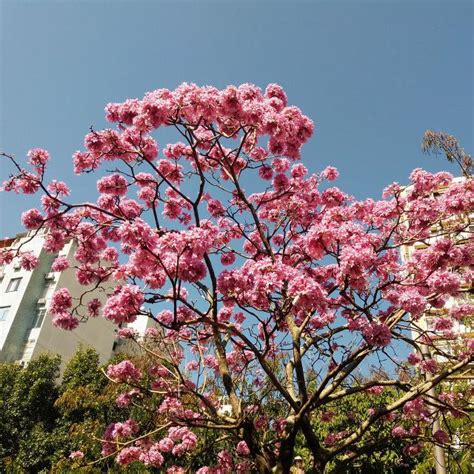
(140, 325)
(26, 328)
(426, 322)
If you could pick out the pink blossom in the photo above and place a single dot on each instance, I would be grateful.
(124, 112)
(443, 324)
(175, 470)
(165, 317)
(32, 219)
(26, 183)
(65, 320)
(416, 409)
(265, 172)
(58, 188)
(261, 422)
(60, 264)
(228, 258)
(124, 305)
(188, 440)
(460, 311)
(280, 182)
(444, 282)
(93, 307)
(76, 455)
(165, 445)
(429, 365)
(61, 301)
(413, 449)
(276, 91)
(215, 208)
(127, 333)
(152, 332)
(152, 457)
(301, 260)
(123, 400)
(414, 358)
(299, 171)
(124, 371)
(375, 390)
(128, 455)
(38, 157)
(192, 365)
(242, 449)
(114, 184)
(330, 439)
(259, 154)
(330, 173)
(377, 334)
(470, 345)
(225, 460)
(281, 165)
(29, 261)
(411, 300)
(399, 432)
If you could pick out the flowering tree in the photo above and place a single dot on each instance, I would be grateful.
(267, 304)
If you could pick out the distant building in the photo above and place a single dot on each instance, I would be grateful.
(140, 325)
(26, 328)
(425, 324)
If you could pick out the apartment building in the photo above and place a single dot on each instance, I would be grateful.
(26, 328)
(462, 329)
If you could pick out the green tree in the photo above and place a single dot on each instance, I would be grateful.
(28, 415)
(378, 450)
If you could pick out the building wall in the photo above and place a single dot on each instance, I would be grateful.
(140, 325)
(22, 302)
(425, 322)
(19, 340)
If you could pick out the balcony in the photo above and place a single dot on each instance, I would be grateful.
(32, 335)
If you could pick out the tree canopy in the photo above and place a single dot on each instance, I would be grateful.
(269, 287)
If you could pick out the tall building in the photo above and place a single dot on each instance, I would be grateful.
(26, 328)
(426, 323)
(444, 344)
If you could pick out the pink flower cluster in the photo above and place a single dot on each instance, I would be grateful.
(32, 219)
(65, 320)
(38, 157)
(61, 301)
(76, 455)
(29, 261)
(124, 371)
(124, 305)
(60, 264)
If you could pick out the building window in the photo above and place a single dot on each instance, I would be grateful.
(430, 324)
(4, 312)
(13, 284)
(39, 318)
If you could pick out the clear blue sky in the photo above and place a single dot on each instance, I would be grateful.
(373, 75)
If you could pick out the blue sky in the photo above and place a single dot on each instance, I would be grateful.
(373, 75)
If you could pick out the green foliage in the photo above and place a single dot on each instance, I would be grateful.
(83, 370)
(28, 415)
(380, 452)
(43, 419)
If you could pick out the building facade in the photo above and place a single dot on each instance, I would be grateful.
(463, 329)
(26, 328)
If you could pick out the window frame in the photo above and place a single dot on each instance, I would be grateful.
(39, 318)
(11, 287)
(4, 312)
